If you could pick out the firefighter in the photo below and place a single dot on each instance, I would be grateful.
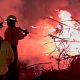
(6, 58)
(12, 35)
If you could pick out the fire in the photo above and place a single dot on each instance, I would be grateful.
(70, 33)
(66, 37)
(64, 15)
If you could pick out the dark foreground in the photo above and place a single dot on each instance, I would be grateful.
(71, 73)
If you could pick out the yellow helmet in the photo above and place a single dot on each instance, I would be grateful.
(11, 18)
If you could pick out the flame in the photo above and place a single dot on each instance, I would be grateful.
(45, 44)
(64, 15)
(70, 33)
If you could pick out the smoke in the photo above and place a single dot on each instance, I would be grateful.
(34, 10)
(73, 8)
(31, 12)
(9, 7)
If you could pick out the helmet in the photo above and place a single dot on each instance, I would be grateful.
(11, 18)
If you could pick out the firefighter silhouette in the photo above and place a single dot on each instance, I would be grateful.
(12, 35)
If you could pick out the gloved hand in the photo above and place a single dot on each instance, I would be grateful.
(26, 32)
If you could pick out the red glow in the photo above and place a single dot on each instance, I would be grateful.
(32, 48)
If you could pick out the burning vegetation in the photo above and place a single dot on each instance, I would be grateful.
(61, 47)
(51, 51)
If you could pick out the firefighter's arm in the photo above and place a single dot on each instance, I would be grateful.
(25, 32)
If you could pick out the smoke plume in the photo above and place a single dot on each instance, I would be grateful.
(29, 13)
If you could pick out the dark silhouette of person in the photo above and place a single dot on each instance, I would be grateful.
(6, 58)
(12, 35)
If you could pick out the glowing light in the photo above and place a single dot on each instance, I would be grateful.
(70, 33)
(69, 38)
(64, 15)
